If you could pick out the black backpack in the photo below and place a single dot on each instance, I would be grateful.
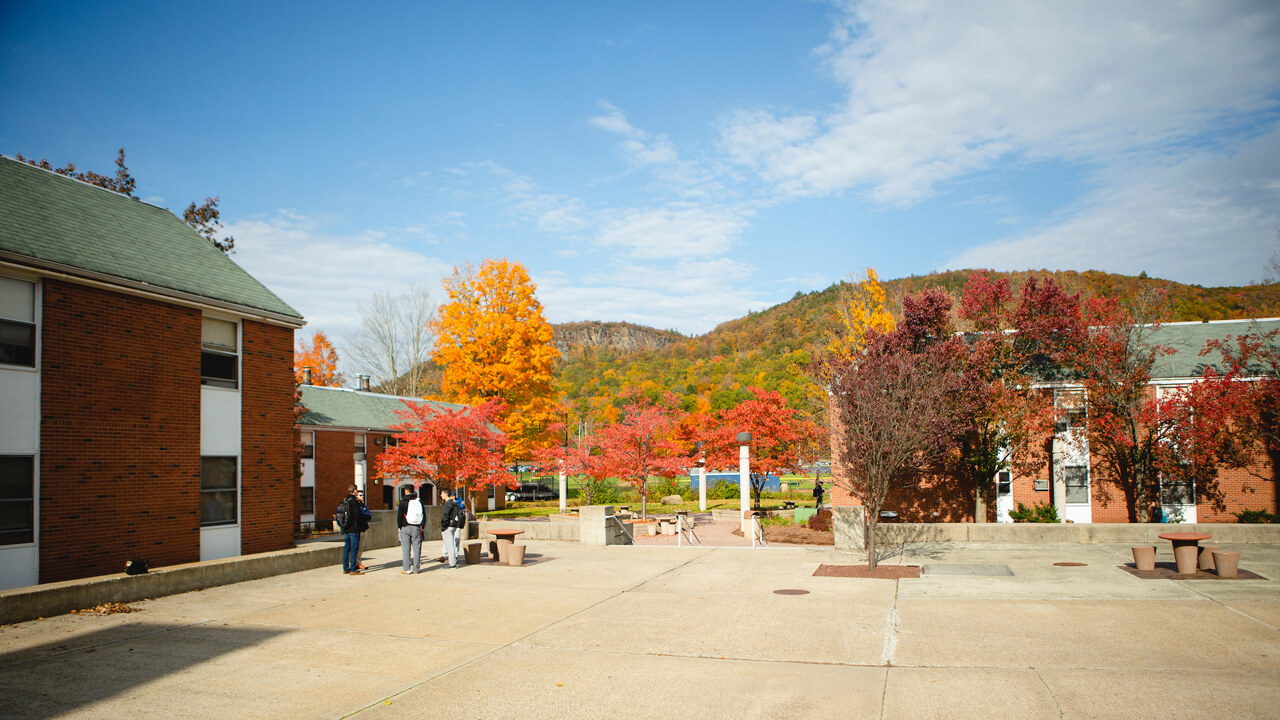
(341, 518)
(459, 517)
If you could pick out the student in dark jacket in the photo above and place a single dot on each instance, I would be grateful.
(452, 519)
(818, 492)
(351, 533)
(411, 518)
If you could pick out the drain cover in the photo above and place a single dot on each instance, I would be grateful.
(790, 592)
(1070, 564)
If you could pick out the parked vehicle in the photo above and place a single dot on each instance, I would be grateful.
(531, 491)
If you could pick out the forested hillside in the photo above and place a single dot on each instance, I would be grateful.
(773, 348)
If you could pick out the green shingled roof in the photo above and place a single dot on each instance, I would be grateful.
(341, 408)
(56, 222)
(1188, 339)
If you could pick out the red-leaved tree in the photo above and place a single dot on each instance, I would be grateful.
(778, 433)
(579, 457)
(639, 446)
(455, 447)
(890, 420)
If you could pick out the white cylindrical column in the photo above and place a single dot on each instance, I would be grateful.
(744, 480)
(702, 488)
(564, 491)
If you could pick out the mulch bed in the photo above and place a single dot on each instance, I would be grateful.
(795, 535)
(1169, 571)
(882, 572)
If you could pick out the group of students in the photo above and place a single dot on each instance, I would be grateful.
(411, 518)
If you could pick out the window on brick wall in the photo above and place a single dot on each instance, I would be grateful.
(308, 501)
(17, 499)
(360, 446)
(217, 491)
(308, 444)
(17, 322)
(1076, 478)
(219, 353)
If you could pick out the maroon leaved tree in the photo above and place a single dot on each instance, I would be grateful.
(890, 418)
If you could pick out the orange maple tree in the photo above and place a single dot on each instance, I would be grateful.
(494, 343)
(321, 357)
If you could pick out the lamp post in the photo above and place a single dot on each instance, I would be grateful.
(744, 480)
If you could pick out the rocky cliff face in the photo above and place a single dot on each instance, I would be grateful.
(620, 336)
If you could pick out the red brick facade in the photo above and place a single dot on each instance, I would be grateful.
(120, 399)
(269, 495)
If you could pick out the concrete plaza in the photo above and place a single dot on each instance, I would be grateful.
(598, 632)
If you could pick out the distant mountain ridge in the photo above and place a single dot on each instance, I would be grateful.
(622, 336)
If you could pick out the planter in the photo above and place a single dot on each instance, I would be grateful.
(515, 554)
(1144, 557)
(649, 527)
(668, 527)
(1227, 563)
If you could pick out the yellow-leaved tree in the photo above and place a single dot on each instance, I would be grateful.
(861, 309)
(493, 342)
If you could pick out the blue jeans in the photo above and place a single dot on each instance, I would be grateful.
(351, 546)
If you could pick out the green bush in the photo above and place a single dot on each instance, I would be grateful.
(605, 492)
(1257, 517)
(722, 491)
(1039, 513)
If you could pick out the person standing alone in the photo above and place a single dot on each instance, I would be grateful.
(411, 518)
(818, 492)
(348, 522)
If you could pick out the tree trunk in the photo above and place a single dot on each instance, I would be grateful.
(644, 504)
(979, 502)
(872, 520)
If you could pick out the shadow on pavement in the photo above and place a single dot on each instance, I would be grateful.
(102, 664)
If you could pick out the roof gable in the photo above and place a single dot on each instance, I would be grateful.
(54, 222)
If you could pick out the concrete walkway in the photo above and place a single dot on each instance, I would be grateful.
(586, 632)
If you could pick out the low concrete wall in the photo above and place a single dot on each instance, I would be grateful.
(850, 532)
(28, 603)
(533, 529)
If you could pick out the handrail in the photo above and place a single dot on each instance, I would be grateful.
(622, 525)
(757, 532)
(680, 532)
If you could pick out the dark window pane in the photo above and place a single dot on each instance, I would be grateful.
(217, 473)
(17, 343)
(1177, 493)
(308, 501)
(218, 369)
(217, 507)
(217, 490)
(15, 522)
(17, 475)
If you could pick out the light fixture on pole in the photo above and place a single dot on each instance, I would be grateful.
(744, 480)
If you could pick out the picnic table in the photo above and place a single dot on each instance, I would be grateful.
(1186, 549)
(505, 537)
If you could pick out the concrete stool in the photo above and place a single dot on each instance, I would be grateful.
(472, 552)
(1206, 556)
(1226, 563)
(1144, 557)
(503, 546)
(515, 554)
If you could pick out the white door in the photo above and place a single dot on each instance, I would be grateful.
(1079, 509)
(1004, 496)
(493, 497)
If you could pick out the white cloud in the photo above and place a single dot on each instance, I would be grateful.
(676, 231)
(1210, 220)
(934, 91)
(323, 275)
(614, 121)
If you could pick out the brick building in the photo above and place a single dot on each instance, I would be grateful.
(343, 432)
(146, 386)
(1069, 479)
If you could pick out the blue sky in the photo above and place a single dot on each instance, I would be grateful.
(671, 164)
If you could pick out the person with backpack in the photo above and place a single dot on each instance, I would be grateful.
(411, 518)
(347, 520)
(453, 517)
(818, 492)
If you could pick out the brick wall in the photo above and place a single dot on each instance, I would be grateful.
(119, 430)
(335, 470)
(270, 499)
